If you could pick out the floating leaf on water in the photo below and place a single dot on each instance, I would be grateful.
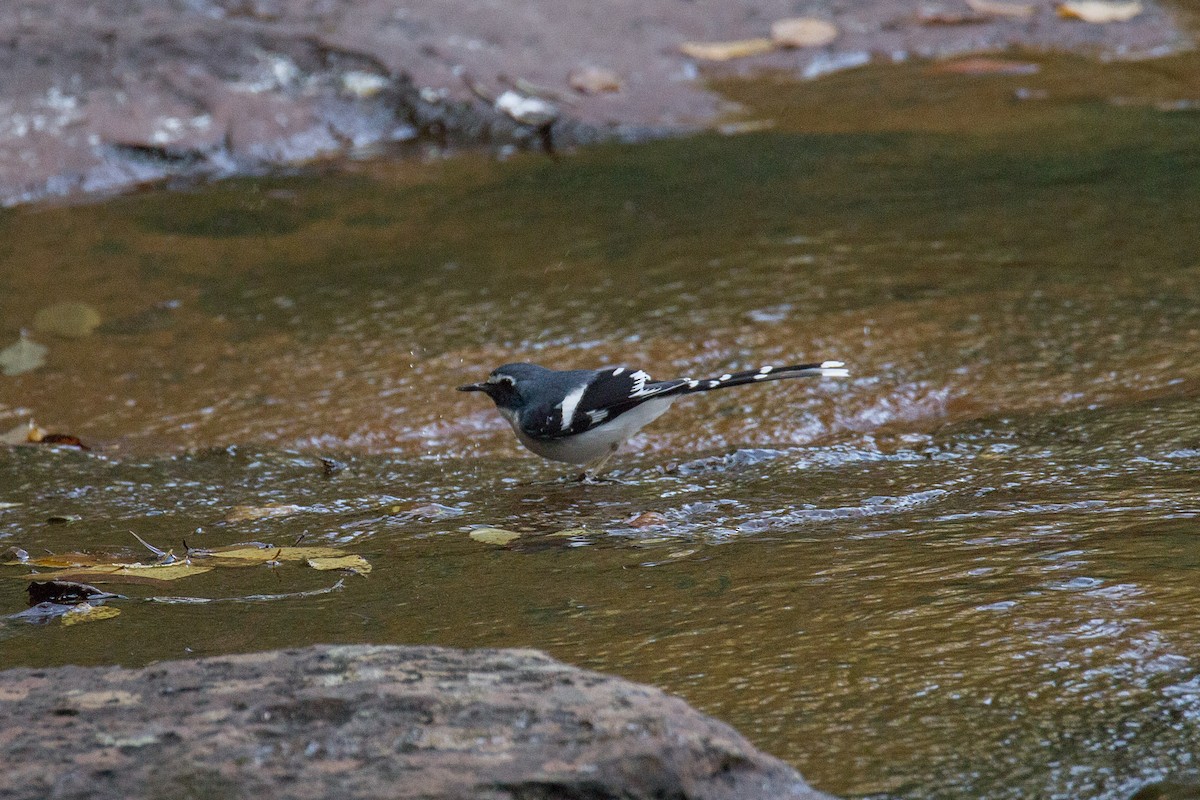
(266, 511)
(985, 66)
(998, 8)
(725, 51)
(261, 553)
(69, 320)
(803, 32)
(67, 593)
(594, 80)
(64, 439)
(647, 519)
(85, 612)
(122, 573)
(354, 563)
(569, 533)
(1099, 11)
(497, 536)
(24, 356)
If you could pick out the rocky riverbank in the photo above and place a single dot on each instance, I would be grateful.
(101, 95)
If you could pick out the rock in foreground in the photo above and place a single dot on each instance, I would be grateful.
(369, 722)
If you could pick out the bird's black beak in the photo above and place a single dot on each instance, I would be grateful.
(474, 387)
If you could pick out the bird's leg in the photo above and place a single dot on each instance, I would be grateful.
(592, 471)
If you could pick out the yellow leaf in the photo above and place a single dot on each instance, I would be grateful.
(118, 573)
(248, 513)
(88, 613)
(354, 563)
(248, 554)
(803, 32)
(724, 51)
(1099, 11)
(497, 536)
(998, 8)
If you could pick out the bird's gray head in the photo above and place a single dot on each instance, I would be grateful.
(509, 386)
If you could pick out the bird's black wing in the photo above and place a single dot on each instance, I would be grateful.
(600, 396)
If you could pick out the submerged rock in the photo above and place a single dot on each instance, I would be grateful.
(69, 320)
(370, 722)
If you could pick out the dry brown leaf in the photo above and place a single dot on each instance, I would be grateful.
(803, 32)
(998, 8)
(725, 51)
(1099, 11)
(647, 519)
(354, 563)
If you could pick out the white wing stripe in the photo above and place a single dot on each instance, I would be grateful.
(569, 404)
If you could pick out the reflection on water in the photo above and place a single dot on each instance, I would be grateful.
(968, 571)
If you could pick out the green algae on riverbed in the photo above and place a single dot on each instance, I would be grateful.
(967, 571)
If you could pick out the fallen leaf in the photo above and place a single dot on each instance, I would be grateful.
(266, 511)
(594, 80)
(803, 32)
(85, 612)
(58, 560)
(62, 439)
(984, 66)
(724, 51)
(998, 8)
(253, 553)
(69, 320)
(24, 356)
(112, 573)
(63, 592)
(570, 533)
(497, 536)
(646, 519)
(354, 563)
(1099, 11)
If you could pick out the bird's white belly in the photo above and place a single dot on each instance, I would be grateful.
(599, 441)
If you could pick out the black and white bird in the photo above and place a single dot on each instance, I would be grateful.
(582, 416)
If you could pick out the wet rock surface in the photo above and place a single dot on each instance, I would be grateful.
(103, 94)
(369, 721)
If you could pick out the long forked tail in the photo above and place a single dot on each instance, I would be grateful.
(827, 369)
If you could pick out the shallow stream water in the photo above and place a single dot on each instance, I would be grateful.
(970, 570)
